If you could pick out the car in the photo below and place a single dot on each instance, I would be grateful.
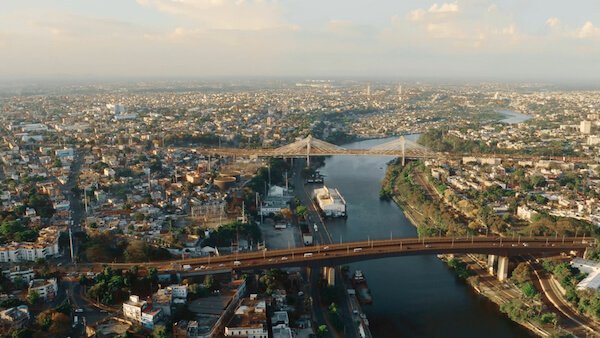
(355, 312)
(525, 244)
(197, 269)
(357, 249)
(221, 264)
(326, 247)
(202, 267)
(308, 254)
(237, 263)
(428, 246)
(284, 258)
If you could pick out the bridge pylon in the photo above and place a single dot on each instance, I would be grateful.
(490, 263)
(403, 148)
(502, 268)
(329, 275)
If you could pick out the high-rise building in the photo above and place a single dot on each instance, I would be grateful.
(585, 127)
(399, 92)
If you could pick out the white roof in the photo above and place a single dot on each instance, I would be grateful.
(592, 281)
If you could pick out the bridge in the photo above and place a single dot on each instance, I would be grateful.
(400, 147)
(310, 146)
(344, 253)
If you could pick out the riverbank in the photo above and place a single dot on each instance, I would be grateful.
(502, 294)
(407, 291)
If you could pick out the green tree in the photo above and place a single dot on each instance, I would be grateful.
(322, 331)
(301, 211)
(529, 290)
(160, 331)
(21, 333)
(33, 297)
(521, 274)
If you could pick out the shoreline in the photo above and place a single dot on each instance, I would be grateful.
(408, 210)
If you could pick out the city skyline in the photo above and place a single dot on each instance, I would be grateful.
(478, 39)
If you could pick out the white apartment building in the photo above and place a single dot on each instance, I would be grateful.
(45, 246)
(15, 272)
(141, 312)
(585, 127)
(46, 288)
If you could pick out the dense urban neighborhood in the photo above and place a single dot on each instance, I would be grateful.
(99, 177)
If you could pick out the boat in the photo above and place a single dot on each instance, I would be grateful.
(330, 202)
(362, 288)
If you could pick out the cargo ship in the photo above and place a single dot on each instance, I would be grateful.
(330, 202)
(362, 288)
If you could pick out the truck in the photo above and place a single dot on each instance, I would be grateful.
(307, 237)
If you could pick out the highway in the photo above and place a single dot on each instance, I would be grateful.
(343, 253)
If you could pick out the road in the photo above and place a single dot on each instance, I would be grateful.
(77, 212)
(551, 296)
(344, 253)
(321, 236)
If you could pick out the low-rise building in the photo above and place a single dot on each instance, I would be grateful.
(45, 288)
(44, 247)
(592, 280)
(14, 318)
(141, 312)
(249, 320)
(16, 273)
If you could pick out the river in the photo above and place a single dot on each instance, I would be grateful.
(512, 117)
(414, 296)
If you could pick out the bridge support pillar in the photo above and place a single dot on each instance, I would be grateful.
(403, 145)
(329, 275)
(490, 263)
(502, 268)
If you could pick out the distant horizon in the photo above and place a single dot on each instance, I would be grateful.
(153, 81)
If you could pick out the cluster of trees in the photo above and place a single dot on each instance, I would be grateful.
(518, 311)
(274, 279)
(585, 301)
(40, 202)
(56, 321)
(460, 268)
(113, 286)
(106, 247)
(228, 233)
(440, 140)
(437, 218)
(12, 229)
(185, 140)
(521, 276)
(547, 225)
(278, 167)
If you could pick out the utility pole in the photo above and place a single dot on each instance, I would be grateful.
(71, 239)
(85, 203)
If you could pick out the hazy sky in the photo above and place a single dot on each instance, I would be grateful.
(515, 39)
